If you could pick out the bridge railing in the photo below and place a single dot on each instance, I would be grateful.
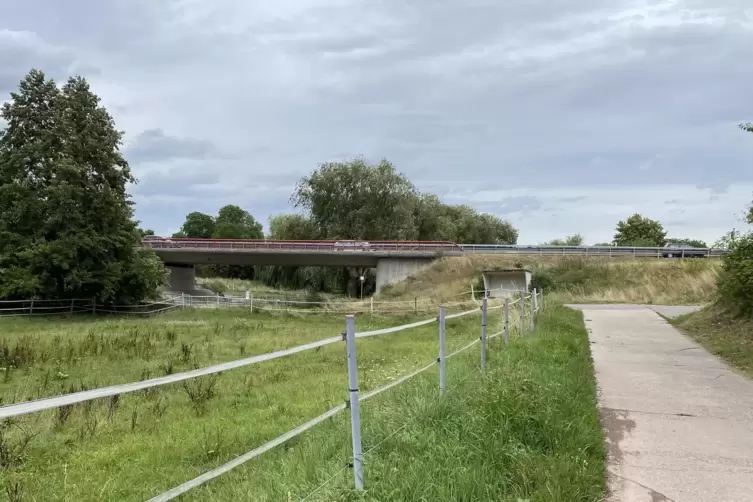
(268, 244)
(607, 251)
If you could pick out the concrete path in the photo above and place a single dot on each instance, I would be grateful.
(678, 421)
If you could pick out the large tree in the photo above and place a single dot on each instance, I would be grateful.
(197, 225)
(66, 221)
(640, 232)
(358, 200)
(296, 227)
(232, 222)
(461, 224)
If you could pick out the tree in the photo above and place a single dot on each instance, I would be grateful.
(292, 227)
(66, 221)
(460, 224)
(232, 222)
(357, 200)
(570, 240)
(639, 231)
(145, 232)
(197, 225)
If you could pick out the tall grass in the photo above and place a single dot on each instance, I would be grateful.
(574, 279)
(528, 429)
(136, 445)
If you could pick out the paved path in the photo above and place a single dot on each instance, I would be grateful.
(679, 422)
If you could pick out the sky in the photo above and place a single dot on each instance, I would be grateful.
(562, 116)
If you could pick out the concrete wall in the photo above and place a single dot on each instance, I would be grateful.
(501, 284)
(392, 270)
(182, 277)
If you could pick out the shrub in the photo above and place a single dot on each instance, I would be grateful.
(736, 280)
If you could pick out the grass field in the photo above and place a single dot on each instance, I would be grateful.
(574, 279)
(528, 427)
(722, 334)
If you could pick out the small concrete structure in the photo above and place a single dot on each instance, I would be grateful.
(506, 283)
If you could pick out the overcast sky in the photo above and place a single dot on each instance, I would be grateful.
(563, 116)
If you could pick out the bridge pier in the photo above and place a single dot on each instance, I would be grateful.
(392, 270)
(182, 277)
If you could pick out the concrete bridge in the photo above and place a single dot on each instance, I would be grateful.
(394, 261)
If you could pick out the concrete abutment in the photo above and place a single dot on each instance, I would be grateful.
(392, 270)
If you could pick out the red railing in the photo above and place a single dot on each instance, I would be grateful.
(340, 245)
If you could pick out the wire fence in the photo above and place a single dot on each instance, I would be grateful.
(349, 336)
(170, 302)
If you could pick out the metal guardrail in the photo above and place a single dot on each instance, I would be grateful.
(606, 251)
(431, 247)
(336, 246)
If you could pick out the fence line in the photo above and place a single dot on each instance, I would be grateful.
(34, 307)
(79, 397)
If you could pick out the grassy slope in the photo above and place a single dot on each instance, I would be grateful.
(729, 338)
(573, 279)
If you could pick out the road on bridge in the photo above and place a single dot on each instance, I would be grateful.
(678, 421)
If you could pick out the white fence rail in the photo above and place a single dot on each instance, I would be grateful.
(349, 336)
(35, 307)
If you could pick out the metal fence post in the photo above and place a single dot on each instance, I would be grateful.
(533, 309)
(483, 332)
(31, 307)
(522, 313)
(507, 321)
(442, 375)
(355, 410)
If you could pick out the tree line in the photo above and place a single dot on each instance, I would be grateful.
(353, 200)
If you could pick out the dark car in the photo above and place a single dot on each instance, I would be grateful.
(678, 250)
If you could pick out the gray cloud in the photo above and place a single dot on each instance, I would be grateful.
(154, 145)
(518, 98)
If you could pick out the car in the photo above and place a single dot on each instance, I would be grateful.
(680, 250)
(352, 245)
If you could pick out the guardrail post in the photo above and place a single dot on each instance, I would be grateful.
(522, 313)
(483, 331)
(355, 410)
(533, 309)
(442, 375)
(507, 321)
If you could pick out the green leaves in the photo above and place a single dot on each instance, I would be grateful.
(66, 228)
(356, 200)
(232, 222)
(639, 231)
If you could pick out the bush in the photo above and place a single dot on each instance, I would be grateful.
(736, 281)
